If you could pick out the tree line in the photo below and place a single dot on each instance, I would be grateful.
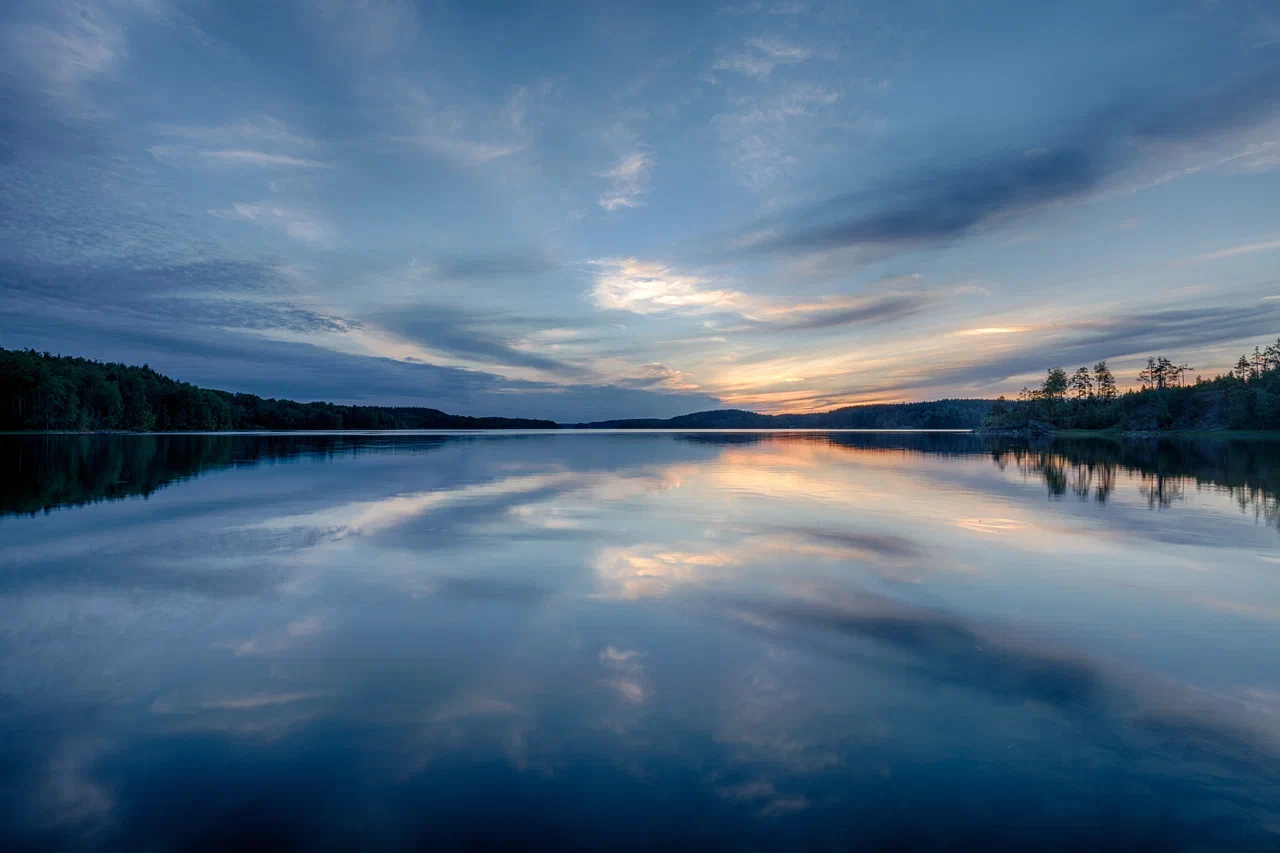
(1246, 397)
(39, 391)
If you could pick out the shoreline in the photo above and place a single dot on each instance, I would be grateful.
(1030, 435)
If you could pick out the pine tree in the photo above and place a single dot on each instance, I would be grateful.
(1055, 384)
(1082, 383)
(1104, 381)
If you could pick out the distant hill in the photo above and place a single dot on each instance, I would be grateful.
(936, 414)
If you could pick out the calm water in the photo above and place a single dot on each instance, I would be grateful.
(746, 641)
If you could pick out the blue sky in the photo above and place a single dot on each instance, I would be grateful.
(584, 210)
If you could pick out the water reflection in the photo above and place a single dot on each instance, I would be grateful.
(49, 471)
(638, 640)
(1248, 470)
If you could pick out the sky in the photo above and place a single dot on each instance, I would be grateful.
(587, 210)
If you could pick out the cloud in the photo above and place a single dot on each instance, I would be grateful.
(233, 157)
(942, 203)
(465, 151)
(658, 375)
(647, 287)
(761, 55)
(946, 649)
(627, 673)
(262, 159)
(364, 29)
(470, 136)
(653, 571)
(1235, 251)
(450, 330)
(57, 55)
(214, 294)
(263, 143)
(263, 130)
(653, 288)
(843, 311)
(766, 134)
(297, 224)
(627, 181)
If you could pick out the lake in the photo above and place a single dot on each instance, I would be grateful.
(741, 640)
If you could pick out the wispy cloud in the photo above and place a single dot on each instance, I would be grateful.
(263, 143)
(234, 157)
(765, 134)
(297, 224)
(652, 288)
(466, 151)
(468, 137)
(264, 130)
(364, 29)
(60, 52)
(262, 159)
(627, 181)
(761, 55)
(1235, 251)
(847, 310)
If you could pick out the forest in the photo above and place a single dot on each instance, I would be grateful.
(1244, 398)
(39, 391)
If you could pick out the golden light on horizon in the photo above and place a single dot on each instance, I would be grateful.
(994, 330)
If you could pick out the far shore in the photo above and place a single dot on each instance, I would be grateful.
(1114, 434)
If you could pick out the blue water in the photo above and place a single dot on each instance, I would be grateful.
(638, 640)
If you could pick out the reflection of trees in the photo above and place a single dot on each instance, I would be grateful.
(1161, 490)
(1089, 468)
(1165, 469)
(41, 472)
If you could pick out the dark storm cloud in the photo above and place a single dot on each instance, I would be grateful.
(939, 204)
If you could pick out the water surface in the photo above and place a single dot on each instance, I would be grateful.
(628, 640)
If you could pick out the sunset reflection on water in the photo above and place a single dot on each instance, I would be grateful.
(802, 638)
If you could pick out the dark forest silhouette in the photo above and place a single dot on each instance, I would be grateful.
(39, 391)
(1245, 398)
